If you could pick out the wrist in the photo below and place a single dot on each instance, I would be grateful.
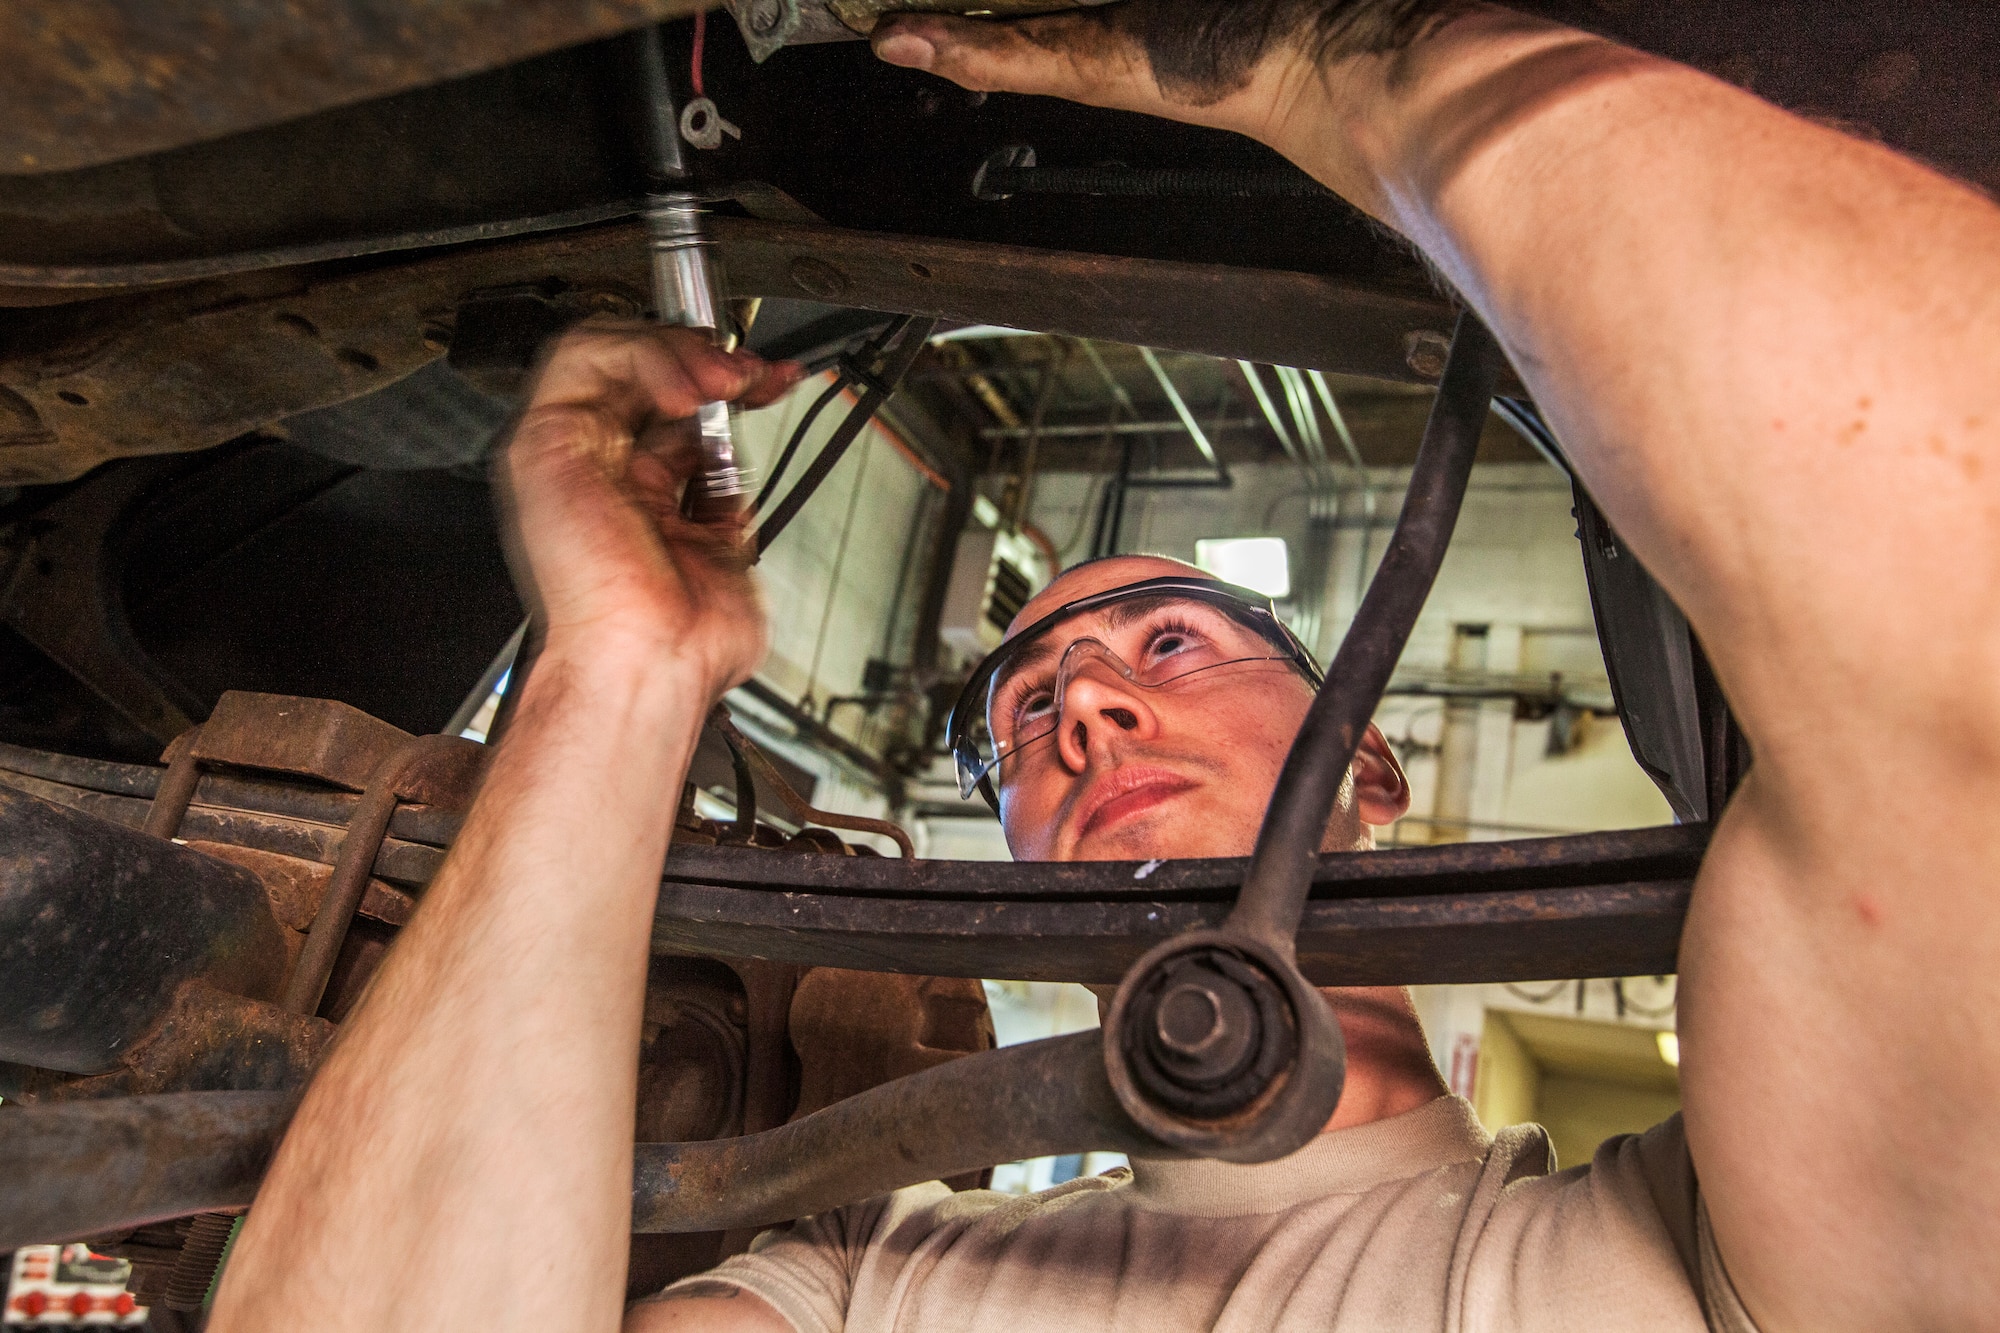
(1388, 131)
(621, 657)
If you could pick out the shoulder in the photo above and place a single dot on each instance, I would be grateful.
(1613, 1243)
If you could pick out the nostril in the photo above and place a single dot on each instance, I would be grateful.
(1124, 718)
(1082, 736)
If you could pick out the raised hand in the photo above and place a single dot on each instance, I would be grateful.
(594, 479)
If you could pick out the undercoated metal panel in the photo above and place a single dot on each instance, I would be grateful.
(99, 925)
(92, 81)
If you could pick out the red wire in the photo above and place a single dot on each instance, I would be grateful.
(700, 40)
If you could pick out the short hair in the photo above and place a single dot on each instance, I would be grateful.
(1203, 50)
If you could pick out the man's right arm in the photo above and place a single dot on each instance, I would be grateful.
(1769, 349)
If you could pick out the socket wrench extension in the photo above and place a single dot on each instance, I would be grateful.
(684, 294)
(684, 277)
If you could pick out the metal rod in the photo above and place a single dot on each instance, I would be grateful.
(1032, 1100)
(1287, 851)
(83, 1168)
(1090, 430)
(1180, 407)
(78, 1169)
(351, 869)
(1303, 417)
(1270, 411)
(1118, 394)
(1333, 414)
(686, 289)
(489, 680)
(176, 790)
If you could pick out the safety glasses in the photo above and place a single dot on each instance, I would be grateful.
(1165, 633)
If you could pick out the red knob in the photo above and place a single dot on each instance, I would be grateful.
(33, 1303)
(124, 1304)
(81, 1304)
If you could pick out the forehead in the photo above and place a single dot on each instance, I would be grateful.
(1099, 576)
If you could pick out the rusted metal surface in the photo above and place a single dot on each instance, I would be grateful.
(1599, 930)
(1606, 904)
(1293, 319)
(855, 1030)
(1022, 1101)
(400, 861)
(100, 925)
(209, 1040)
(294, 887)
(693, 1052)
(84, 1168)
(58, 586)
(188, 368)
(436, 825)
(758, 768)
(176, 790)
(312, 738)
(419, 766)
(93, 81)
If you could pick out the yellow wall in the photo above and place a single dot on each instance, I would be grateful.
(1581, 1080)
(1509, 1082)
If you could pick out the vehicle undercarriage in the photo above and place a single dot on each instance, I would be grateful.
(261, 331)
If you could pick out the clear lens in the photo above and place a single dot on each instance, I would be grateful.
(1025, 703)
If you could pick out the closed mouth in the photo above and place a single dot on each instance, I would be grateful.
(1125, 792)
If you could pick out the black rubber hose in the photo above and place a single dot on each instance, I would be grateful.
(897, 364)
(1281, 867)
(798, 438)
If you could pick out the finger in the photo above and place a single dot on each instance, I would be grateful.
(1076, 56)
(680, 369)
(776, 379)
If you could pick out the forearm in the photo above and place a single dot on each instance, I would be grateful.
(1752, 333)
(470, 1132)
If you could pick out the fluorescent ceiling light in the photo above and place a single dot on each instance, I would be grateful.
(1254, 562)
(1670, 1047)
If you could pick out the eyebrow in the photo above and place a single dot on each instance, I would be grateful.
(1116, 616)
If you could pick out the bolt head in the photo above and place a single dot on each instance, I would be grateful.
(1426, 351)
(1189, 1019)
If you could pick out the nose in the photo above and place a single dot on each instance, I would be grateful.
(1098, 707)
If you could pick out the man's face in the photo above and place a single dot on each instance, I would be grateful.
(1181, 770)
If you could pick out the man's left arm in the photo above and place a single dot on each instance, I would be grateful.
(463, 1159)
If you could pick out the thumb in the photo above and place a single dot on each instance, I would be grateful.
(1080, 57)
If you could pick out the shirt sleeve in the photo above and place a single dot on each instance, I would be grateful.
(1621, 1243)
(806, 1271)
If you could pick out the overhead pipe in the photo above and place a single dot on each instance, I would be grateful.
(1180, 407)
(1339, 421)
(1270, 411)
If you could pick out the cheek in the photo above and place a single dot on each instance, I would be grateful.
(1029, 825)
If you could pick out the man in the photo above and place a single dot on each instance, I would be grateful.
(1767, 347)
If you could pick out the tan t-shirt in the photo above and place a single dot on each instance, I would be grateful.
(1420, 1221)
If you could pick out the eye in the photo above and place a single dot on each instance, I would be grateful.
(1172, 637)
(1026, 704)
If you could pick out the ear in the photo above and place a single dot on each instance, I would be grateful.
(1381, 792)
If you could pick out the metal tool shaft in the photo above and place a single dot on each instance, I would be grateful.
(684, 279)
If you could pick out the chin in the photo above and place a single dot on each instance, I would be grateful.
(1172, 833)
